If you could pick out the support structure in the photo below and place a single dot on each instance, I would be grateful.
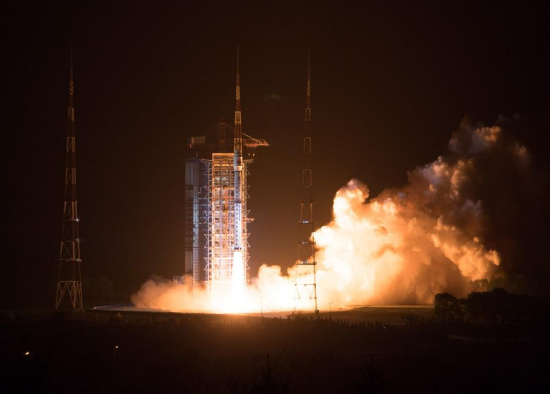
(69, 283)
(217, 216)
(306, 266)
(240, 267)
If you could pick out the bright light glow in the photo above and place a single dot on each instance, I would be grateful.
(238, 278)
(385, 251)
(380, 252)
(401, 247)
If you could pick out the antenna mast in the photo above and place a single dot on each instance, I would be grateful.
(69, 277)
(306, 244)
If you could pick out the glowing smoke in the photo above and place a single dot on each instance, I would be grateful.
(403, 246)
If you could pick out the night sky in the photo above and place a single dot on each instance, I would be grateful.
(390, 83)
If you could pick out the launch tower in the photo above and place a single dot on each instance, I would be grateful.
(216, 247)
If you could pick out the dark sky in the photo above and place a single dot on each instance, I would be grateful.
(390, 85)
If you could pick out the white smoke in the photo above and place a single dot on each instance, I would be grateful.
(403, 246)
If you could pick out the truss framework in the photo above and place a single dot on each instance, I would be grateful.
(220, 236)
(69, 283)
(306, 265)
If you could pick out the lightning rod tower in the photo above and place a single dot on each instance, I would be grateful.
(69, 283)
(306, 264)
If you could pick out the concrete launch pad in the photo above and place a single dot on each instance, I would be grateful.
(385, 314)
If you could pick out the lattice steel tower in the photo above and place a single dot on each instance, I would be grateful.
(306, 264)
(69, 281)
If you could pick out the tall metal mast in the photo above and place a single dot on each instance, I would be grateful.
(306, 242)
(69, 281)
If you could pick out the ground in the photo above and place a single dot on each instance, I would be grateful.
(384, 349)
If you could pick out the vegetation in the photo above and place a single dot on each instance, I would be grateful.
(102, 352)
(495, 306)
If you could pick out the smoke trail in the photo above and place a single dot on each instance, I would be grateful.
(403, 246)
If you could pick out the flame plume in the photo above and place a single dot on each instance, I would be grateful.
(401, 247)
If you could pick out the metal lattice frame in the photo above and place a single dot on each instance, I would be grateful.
(197, 216)
(222, 206)
(69, 282)
(306, 263)
(246, 220)
(221, 229)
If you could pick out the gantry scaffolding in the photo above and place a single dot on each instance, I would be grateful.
(210, 207)
(197, 216)
(220, 236)
(217, 216)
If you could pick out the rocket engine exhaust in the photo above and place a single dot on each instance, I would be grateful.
(401, 247)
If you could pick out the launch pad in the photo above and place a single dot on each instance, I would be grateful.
(131, 312)
(384, 314)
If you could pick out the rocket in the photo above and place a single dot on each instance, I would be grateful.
(238, 269)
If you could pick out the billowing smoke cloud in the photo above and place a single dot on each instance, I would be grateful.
(448, 228)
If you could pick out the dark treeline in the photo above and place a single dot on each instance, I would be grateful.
(148, 352)
(495, 306)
